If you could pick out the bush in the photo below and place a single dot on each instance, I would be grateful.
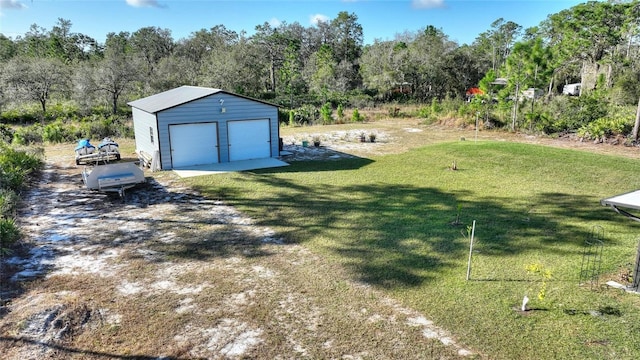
(604, 127)
(15, 166)
(306, 114)
(28, 135)
(9, 201)
(568, 114)
(6, 134)
(19, 116)
(340, 113)
(57, 132)
(97, 127)
(356, 117)
(9, 234)
(361, 101)
(60, 111)
(283, 116)
(326, 112)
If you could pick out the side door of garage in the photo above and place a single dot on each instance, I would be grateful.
(249, 139)
(193, 144)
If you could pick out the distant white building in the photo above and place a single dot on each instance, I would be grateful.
(532, 93)
(571, 89)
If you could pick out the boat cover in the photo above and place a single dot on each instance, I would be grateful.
(113, 176)
(84, 143)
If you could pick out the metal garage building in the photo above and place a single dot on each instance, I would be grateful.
(190, 125)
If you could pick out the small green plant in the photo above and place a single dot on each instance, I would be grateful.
(292, 118)
(326, 113)
(340, 112)
(545, 275)
(436, 108)
(356, 117)
(458, 212)
(9, 234)
(9, 200)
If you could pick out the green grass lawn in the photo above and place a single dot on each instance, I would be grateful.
(390, 221)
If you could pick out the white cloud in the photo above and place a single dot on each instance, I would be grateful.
(275, 22)
(144, 3)
(318, 18)
(12, 4)
(428, 4)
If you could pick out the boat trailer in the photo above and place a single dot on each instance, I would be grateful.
(116, 177)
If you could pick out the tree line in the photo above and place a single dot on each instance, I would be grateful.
(594, 44)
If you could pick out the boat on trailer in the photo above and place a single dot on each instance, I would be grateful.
(116, 177)
(107, 150)
(84, 148)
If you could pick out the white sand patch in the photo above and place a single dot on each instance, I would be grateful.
(35, 265)
(78, 264)
(168, 285)
(185, 305)
(109, 317)
(238, 302)
(429, 330)
(127, 288)
(190, 289)
(229, 338)
(412, 130)
(242, 343)
(263, 272)
(165, 285)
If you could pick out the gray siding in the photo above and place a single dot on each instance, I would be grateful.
(143, 122)
(208, 109)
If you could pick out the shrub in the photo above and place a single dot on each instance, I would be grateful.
(28, 135)
(356, 117)
(604, 127)
(15, 166)
(361, 100)
(6, 134)
(56, 132)
(9, 234)
(340, 113)
(306, 114)
(424, 112)
(97, 127)
(436, 108)
(19, 116)
(60, 111)
(292, 118)
(9, 200)
(326, 112)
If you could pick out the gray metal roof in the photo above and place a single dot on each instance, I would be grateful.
(171, 98)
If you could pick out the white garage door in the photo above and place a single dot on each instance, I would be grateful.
(193, 144)
(249, 139)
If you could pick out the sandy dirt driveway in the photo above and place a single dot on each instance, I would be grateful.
(169, 274)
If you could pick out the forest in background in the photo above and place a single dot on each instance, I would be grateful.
(70, 86)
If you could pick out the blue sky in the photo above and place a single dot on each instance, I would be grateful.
(461, 20)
